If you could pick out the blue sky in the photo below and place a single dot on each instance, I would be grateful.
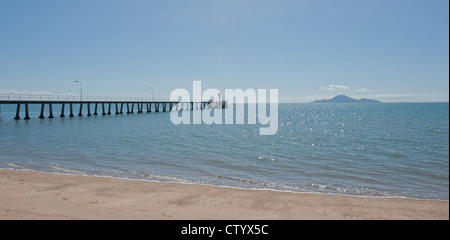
(308, 49)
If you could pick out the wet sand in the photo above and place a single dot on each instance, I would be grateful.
(36, 195)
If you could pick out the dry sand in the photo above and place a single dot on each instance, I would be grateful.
(36, 195)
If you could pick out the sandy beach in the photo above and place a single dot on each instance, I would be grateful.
(36, 195)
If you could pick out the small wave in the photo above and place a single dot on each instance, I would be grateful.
(68, 170)
(348, 190)
(157, 178)
(245, 183)
(19, 166)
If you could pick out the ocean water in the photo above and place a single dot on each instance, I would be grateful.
(384, 150)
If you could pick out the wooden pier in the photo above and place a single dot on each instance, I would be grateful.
(104, 106)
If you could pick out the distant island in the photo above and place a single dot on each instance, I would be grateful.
(346, 99)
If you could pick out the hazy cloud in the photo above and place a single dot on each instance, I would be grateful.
(14, 92)
(363, 90)
(333, 87)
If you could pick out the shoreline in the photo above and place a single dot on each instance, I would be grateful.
(218, 186)
(27, 194)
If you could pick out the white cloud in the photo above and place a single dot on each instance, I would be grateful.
(305, 99)
(40, 93)
(363, 90)
(333, 87)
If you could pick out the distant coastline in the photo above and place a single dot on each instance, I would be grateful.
(346, 99)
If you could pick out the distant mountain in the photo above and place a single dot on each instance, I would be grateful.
(346, 99)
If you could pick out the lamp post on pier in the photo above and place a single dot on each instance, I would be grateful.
(153, 93)
(81, 90)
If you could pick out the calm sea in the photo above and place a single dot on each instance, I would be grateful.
(389, 149)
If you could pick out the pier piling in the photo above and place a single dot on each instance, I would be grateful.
(62, 111)
(18, 112)
(95, 109)
(89, 110)
(42, 111)
(27, 115)
(71, 110)
(51, 110)
(103, 108)
(81, 110)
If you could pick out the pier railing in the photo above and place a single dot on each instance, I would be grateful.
(73, 98)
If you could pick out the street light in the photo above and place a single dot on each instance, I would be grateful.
(81, 90)
(153, 93)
